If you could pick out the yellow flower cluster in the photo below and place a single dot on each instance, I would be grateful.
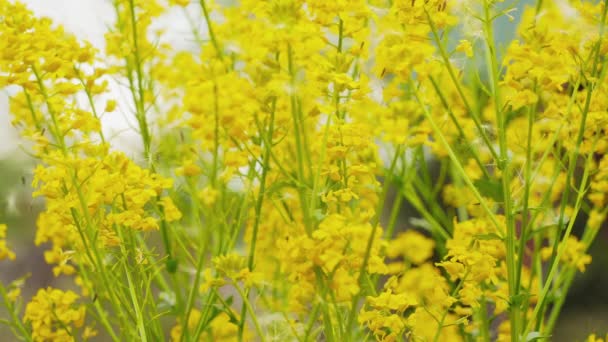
(54, 315)
(595, 338)
(5, 252)
(270, 152)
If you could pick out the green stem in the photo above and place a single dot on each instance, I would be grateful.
(572, 161)
(15, 319)
(457, 164)
(298, 132)
(445, 313)
(258, 206)
(251, 311)
(503, 165)
(461, 133)
(90, 249)
(525, 220)
(452, 73)
(214, 41)
(200, 262)
(133, 293)
(138, 96)
(368, 249)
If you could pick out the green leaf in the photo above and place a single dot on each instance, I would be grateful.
(518, 300)
(535, 336)
(541, 230)
(171, 265)
(461, 320)
(213, 312)
(490, 188)
(489, 236)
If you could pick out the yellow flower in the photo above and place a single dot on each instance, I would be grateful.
(595, 338)
(13, 294)
(110, 106)
(182, 3)
(208, 195)
(230, 265)
(5, 252)
(170, 211)
(573, 253)
(413, 246)
(53, 315)
(465, 47)
(209, 281)
(188, 168)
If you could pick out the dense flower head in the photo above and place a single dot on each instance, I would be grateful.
(54, 315)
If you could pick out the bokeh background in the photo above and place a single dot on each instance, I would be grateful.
(586, 308)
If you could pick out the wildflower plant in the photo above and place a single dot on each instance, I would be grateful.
(260, 206)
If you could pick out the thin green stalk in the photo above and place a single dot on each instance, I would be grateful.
(484, 318)
(543, 297)
(16, 320)
(515, 312)
(370, 241)
(438, 231)
(91, 252)
(199, 264)
(452, 73)
(311, 320)
(457, 164)
(392, 220)
(445, 313)
(525, 220)
(317, 176)
(588, 237)
(139, 98)
(133, 293)
(208, 306)
(137, 91)
(251, 311)
(539, 5)
(327, 319)
(258, 206)
(90, 100)
(214, 41)
(262, 191)
(557, 306)
(572, 160)
(461, 133)
(216, 134)
(299, 147)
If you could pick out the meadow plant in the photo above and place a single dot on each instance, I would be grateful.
(278, 152)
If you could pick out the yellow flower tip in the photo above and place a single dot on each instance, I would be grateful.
(230, 264)
(5, 252)
(88, 333)
(208, 196)
(170, 210)
(466, 47)
(110, 106)
(189, 169)
(596, 338)
(182, 3)
(13, 294)
(413, 246)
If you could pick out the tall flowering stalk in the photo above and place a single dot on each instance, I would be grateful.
(260, 207)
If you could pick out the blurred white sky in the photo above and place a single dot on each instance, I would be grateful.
(88, 20)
